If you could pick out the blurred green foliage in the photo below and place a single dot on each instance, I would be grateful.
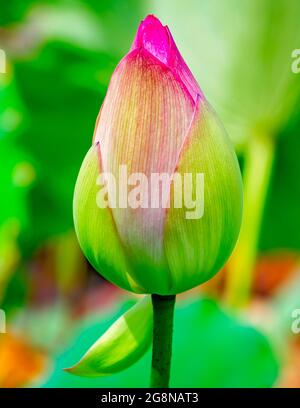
(59, 130)
(281, 221)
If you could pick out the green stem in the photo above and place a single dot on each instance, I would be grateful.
(163, 311)
(258, 165)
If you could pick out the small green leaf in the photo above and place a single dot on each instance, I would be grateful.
(125, 342)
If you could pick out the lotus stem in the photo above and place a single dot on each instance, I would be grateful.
(257, 174)
(163, 312)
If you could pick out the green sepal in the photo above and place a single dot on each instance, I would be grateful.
(124, 343)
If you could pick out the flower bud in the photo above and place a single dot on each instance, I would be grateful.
(174, 222)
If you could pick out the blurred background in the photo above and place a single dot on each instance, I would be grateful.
(242, 329)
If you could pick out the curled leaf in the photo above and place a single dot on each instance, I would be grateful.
(125, 342)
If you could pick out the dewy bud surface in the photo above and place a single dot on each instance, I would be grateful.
(156, 120)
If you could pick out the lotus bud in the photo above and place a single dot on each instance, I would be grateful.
(158, 199)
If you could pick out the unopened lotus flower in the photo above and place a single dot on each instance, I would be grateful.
(155, 119)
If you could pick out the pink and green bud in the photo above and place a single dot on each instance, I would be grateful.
(156, 127)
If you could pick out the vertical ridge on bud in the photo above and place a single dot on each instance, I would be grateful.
(205, 243)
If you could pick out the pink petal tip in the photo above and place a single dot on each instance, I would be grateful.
(158, 41)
